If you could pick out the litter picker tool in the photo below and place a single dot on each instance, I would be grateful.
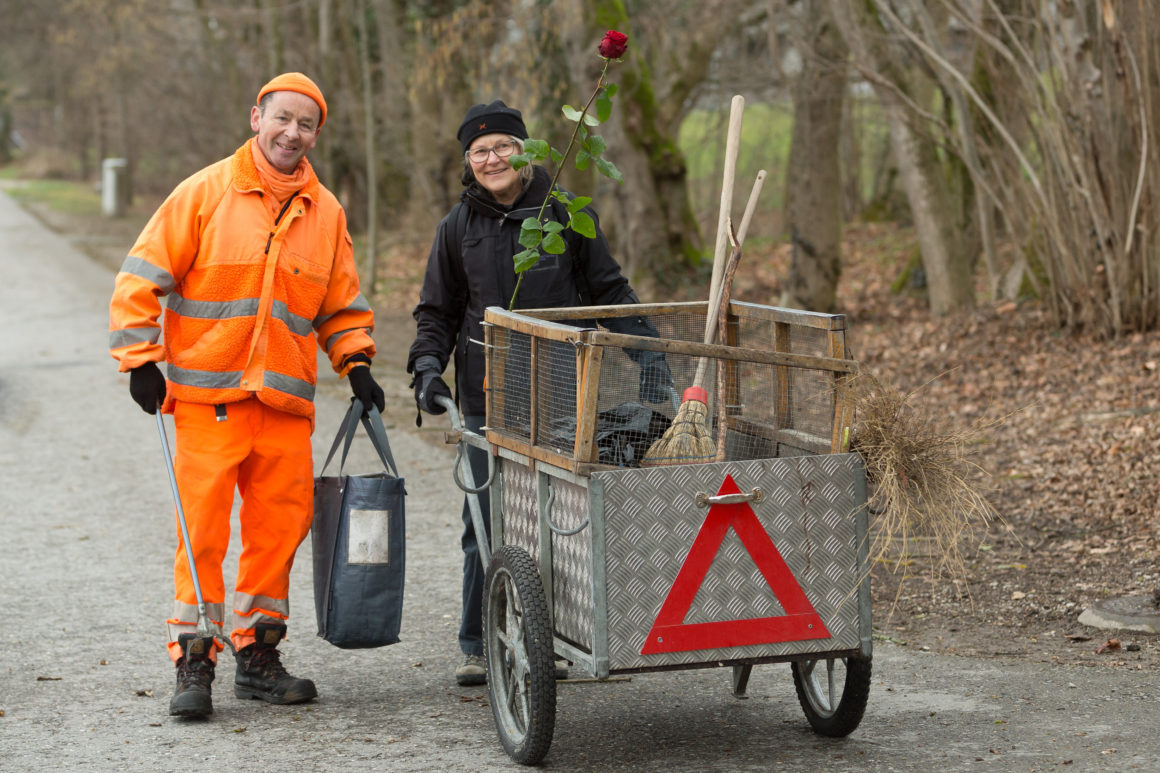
(204, 627)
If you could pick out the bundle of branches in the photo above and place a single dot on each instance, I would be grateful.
(925, 497)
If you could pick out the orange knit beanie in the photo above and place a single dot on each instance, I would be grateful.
(296, 81)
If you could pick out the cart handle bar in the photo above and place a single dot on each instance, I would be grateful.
(756, 496)
(461, 453)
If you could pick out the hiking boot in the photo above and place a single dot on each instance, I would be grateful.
(472, 671)
(260, 672)
(195, 673)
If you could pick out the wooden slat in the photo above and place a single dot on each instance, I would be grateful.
(590, 359)
(546, 329)
(741, 309)
(602, 338)
(540, 454)
(791, 437)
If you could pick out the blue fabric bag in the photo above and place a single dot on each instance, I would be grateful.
(358, 541)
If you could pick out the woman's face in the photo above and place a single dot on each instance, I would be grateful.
(495, 174)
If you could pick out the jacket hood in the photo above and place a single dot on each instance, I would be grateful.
(245, 173)
(526, 204)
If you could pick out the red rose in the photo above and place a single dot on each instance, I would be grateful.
(613, 45)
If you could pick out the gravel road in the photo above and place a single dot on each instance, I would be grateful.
(86, 544)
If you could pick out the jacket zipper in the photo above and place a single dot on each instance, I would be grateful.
(286, 206)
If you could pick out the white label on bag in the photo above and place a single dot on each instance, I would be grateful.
(369, 537)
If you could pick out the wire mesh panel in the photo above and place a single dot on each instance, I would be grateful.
(775, 387)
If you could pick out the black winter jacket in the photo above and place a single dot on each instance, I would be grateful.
(460, 283)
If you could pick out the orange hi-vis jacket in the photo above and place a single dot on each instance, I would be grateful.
(247, 291)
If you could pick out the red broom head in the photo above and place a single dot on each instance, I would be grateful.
(695, 393)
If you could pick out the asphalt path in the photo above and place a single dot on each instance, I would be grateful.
(86, 548)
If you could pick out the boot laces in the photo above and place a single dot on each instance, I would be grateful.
(267, 661)
(195, 673)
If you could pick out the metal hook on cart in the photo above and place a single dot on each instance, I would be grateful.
(557, 529)
(461, 453)
(463, 467)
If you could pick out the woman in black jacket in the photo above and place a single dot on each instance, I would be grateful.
(470, 268)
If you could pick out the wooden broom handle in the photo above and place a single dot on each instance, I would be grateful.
(735, 253)
(732, 142)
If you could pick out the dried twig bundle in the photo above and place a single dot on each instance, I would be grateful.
(925, 496)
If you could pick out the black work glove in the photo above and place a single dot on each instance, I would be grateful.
(369, 393)
(655, 381)
(429, 385)
(147, 386)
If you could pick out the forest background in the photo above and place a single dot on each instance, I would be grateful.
(973, 182)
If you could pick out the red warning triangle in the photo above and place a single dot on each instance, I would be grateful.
(800, 622)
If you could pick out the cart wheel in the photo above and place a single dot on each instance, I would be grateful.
(833, 693)
(521, 681)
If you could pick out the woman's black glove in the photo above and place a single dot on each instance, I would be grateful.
(369, 393)
(428, 386)
(655, 381)
(147, 386)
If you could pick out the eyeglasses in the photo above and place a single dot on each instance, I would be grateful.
(501, 149)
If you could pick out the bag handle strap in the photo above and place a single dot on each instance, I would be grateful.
(373, 424)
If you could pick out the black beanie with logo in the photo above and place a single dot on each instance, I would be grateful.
(491, 119)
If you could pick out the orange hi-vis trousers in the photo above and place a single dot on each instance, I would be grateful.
(266, 455)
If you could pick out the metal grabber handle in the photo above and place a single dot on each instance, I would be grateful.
(465, 480)
(204, 627)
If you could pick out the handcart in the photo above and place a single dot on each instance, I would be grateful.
(620, 568)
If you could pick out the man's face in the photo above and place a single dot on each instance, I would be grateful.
(287, 129)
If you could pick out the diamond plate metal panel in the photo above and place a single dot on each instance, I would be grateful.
(520, 521)
(572, 565)
(651, 521)
(571, 554)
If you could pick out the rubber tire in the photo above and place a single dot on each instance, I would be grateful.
(826, 718)
(517, 636)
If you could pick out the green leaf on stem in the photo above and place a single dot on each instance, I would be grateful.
(604, 104)
(572, 114)
(609, 170)
(578, 203)
(552, 227)
(583, 224)
(520, 160)
(582, 159)
(530, 233)
(596, 145)
(526, 259)
(557, 157)
(538, 149)
(554, 244)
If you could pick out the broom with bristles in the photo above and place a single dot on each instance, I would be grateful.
(688, 440)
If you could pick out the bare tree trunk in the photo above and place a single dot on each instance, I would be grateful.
(364, 57)
(813, 180)
(945, 257)
(649, 219)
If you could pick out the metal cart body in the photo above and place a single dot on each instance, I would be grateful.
(758, 558)
(610, 547)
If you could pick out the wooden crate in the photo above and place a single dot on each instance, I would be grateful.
(786, 377)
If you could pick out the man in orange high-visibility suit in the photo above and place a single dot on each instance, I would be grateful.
(255, 259)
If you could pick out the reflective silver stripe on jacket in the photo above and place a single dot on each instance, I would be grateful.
(150, 273)
(133, 335)
(232, 379)
(289, 385)
(358, 304)
(244, 307)
(333, 338)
